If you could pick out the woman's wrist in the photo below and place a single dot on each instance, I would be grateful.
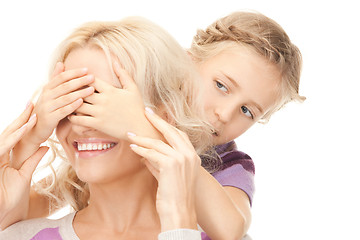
(178, 217)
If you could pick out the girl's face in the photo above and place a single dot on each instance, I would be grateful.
(101, 158)
(239, 87)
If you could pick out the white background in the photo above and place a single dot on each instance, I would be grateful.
(307, 181)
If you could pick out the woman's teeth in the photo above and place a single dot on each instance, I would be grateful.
(94, 146)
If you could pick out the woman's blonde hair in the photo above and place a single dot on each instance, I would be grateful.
(164, 75)
(262, 34)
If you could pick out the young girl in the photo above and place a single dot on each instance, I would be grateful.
(112, 191)
(249, 70)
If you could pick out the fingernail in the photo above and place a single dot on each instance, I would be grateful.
(28, 104)
(149, 110)
(130, 134)
(133, 145)
(32, 117)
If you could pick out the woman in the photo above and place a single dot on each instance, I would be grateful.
(249, 70)
(112, 191)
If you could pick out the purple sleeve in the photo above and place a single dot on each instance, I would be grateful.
(237, 169)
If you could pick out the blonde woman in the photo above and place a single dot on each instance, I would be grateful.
(249, 69)
(112, 192)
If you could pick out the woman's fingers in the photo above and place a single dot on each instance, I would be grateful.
(126, 81)
(151, 143)
(10, 138)
(19, 121)
(170, 133)
(154, 171)
(150, 154)
(31, 163)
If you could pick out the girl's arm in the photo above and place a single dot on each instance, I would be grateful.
(223, 212)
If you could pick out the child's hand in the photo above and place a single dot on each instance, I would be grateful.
(112, 110)
(175, 166)
(59, 98)
(15, 184)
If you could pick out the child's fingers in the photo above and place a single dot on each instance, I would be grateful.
(72, 86)
(59, 68)
(126, 81)
(86, 121)
(70, 98)
(66, 76)
(101, 86)
(87, 109)
(62, 112)
(93, 98)
(30, 164)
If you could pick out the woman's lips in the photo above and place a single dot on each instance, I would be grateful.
(88, 148)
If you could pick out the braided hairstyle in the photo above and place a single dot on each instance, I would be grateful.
(259, 33)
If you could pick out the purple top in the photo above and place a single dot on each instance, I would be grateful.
(237, 170)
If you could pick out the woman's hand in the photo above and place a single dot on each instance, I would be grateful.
(114, 111)
(61, 96)
(175, 165)
(15, 184)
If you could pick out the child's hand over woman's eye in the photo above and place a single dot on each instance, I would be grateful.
(112, 110)
(60, 97)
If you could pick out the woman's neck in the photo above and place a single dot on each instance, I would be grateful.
(124, 205)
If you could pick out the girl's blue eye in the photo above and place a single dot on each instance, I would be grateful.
(247, 112)
(221, 86)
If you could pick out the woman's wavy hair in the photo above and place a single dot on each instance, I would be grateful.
(164, 74)
(265, 37)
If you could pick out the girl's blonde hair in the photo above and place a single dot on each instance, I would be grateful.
(164, 74)
(261, 34)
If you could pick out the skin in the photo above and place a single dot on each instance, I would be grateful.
(20, 178)
(232, 106)
(228, 109)
(239, 87)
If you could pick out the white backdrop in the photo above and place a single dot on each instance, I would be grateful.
(307, 181)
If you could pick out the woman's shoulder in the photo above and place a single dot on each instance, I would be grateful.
(39, 228)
